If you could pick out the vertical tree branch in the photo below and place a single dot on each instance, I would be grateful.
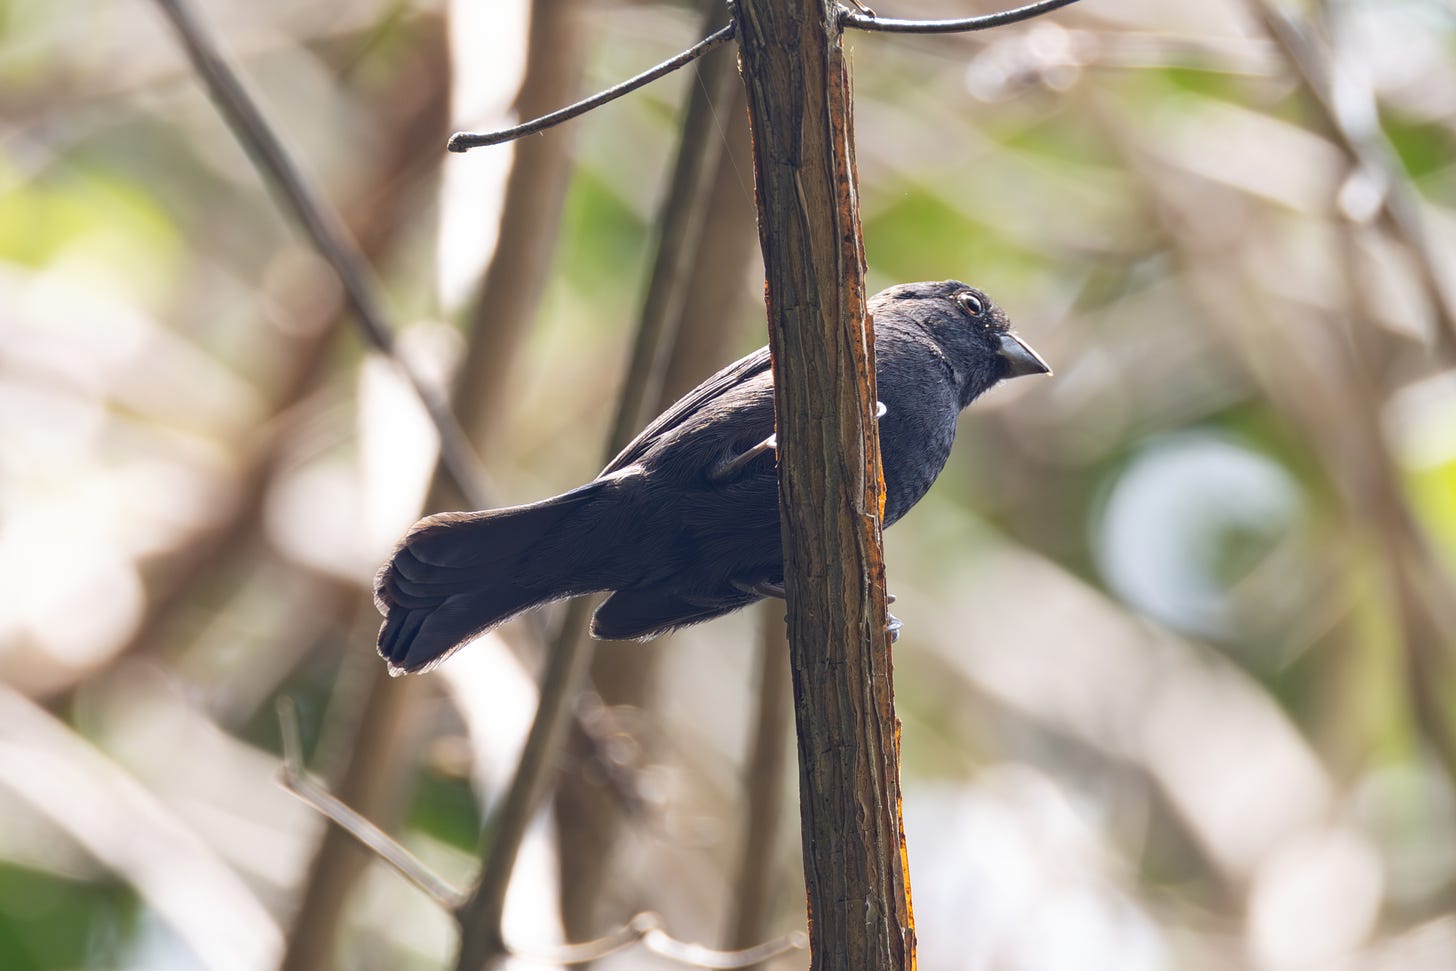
(375, 774)
(569, 655)
(752, 905)
(704, 238)
(830, 484)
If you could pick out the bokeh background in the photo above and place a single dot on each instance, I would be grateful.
(1178, 678)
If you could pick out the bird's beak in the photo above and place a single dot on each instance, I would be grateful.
(1020, 358)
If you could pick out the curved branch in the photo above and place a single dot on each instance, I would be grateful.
(861, 21)
(463, 141)
(324, 227)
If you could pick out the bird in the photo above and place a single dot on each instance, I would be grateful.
(683, 525)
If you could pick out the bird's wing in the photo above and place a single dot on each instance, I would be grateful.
(735, 377)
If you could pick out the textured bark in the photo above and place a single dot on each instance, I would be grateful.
(830, 484)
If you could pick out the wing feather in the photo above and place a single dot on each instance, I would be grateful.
(747, 378)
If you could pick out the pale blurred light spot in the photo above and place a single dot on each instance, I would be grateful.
(1230, 760)
(1248, 150)
(496, 697)
(398, 444)
(1410, 811)
(294, 270)
(1362, 195)
(488, 41)
(312, 515)
(46, 428)
(1314, 901)
(153, 501)
(82, 333)
(1404, 45)
(73, 594)
(1047, 55)
(1012, 874)
(1421, 419)
(1179, 504)
(1233, 766)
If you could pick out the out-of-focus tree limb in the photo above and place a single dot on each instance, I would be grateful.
(569, 655)
(763, 782)
(704, 239)
(1332, 394)
(1350, 116)
(324, 228)
(830, 484)
(316, 313)
(122, 824)
(501, 312)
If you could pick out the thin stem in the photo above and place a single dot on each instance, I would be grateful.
(1351, 118)
(859, 21)
(295, 778)
(570, 654)
(645, 928)
(463, 141)
(324, 227)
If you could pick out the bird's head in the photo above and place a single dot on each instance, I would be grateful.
(972, 332)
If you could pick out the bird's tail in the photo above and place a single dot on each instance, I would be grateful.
(456, 575)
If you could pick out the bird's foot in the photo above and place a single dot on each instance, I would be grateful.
(893, 627)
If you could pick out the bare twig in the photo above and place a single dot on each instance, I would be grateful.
(324, 228)
(464, 141)
(124, 825)
(644, 928)
(316, 314)
(567, 661)
(1352, 119)
(296, 780)
(860, 21)
(674, 312)
(764, 782)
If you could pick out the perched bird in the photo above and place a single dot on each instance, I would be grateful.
(683, 525)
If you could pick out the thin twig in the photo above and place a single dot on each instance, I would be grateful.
(645, 928)
(1352, 117)
(324, 227)
(463, 141)
(696, 955)
(295, 778)
(566, 663)
(751, 905)
(859, 21)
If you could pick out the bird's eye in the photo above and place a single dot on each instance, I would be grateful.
(970, 302)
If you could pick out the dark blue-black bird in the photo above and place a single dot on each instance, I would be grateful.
(683, 525)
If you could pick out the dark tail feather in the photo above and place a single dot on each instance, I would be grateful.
(455, 576)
